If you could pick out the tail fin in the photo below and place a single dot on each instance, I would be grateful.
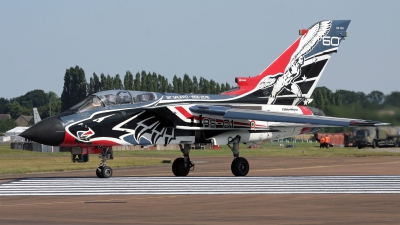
(293, 76)
(36, 116)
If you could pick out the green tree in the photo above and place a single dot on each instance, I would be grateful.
(33, 98)
(165, 85)
(151, 82)
(195, 85)
(213, 87)
(217, 89)
(137, 82)
(52, 107)
(201, 83)
(322, 97)
(6, 125)
(128, 81)
(175, 84)
(96, 83)
(154, 82)
(109, 82)
(103, 82)
(160, 83)
(74, 89)
(118, 83)
(65, 96)
(376, 98)
(180, 86)
(170, 88)
(393, 99)
(223, 87)
(349, 97)
(338, 98)
(90, 86)
(3, 103)
(16, 110)
(186, 84)
(227, 86)
(205, 86)
(143, 81)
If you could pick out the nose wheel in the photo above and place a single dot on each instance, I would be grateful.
(104, 171)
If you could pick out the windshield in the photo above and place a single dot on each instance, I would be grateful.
(88, 103)
(112, 98)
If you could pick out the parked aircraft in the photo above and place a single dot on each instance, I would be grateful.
(271, 105)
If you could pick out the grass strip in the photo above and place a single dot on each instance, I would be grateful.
(14, 161)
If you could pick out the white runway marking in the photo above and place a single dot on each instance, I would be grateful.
(203, 185)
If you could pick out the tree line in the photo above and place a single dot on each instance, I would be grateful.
(350, 104)
(76, 87)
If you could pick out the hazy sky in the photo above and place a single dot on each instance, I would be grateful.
(218, 40)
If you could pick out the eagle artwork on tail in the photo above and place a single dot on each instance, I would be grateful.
(285, 80)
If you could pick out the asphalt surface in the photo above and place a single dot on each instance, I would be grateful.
(272, 208)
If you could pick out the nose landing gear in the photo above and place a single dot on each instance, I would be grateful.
(102, 170)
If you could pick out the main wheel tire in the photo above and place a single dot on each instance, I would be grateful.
(178, 168)
(396, 143)
(106, 172)
(240, 166)
(98, 172)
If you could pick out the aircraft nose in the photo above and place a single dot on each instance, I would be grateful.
(48, 132)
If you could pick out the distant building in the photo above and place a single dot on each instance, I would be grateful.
(14, 133)
(4, 138)
(23, 121)
(5, 116)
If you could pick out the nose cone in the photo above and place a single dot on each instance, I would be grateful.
(48, 132)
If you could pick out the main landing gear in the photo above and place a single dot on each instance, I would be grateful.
(239, 166)
(182, 166)
(104, 171)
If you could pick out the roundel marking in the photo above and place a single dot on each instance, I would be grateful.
(252, 124)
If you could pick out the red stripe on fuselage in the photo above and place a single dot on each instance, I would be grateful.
(70, 141)
(184, 112)
(305, 110)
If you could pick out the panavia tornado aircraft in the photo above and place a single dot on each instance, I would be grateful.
(271, 105)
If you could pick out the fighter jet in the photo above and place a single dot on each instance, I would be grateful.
(269, 106)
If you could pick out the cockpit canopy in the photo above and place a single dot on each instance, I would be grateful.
(113, 98)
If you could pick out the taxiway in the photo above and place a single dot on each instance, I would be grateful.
(297, 190)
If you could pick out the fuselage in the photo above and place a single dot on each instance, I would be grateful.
(120, 117)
